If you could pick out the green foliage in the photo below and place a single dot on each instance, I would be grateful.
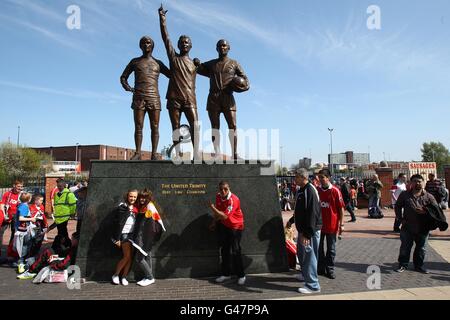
(281, 171)
(20, 162)
(436, 152)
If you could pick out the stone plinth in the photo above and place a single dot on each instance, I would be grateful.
(188, 248)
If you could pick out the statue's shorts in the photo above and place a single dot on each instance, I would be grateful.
(220, 102)
(181, 105)
(145, 104)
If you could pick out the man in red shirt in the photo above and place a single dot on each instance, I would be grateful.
(229, 221)
(8, 208)
(332, 206)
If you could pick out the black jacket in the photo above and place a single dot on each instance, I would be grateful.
(345, 190)
(307, 214)
(146, 232)
(435, 218)
(120, 216)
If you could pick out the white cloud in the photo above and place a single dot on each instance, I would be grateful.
(39, 10)
(65, 41)
(83, 94)
(353, 47)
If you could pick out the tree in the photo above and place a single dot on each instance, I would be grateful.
(281, 171)
(436, 152)
(11, 160)
(20, 162)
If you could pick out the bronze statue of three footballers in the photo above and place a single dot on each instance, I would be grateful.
(225, 74)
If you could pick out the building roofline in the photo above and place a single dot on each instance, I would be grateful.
(82, 145)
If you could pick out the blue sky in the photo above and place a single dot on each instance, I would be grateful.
(312, 65)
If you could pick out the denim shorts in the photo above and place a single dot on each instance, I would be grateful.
(125, 237)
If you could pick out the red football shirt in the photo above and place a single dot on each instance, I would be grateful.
(11, 199)
(34, 211)
(330, 202)
(231, 206)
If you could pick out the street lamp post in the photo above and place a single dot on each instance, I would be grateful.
(76, 158)
(331, 151)
(18, 136)
(281, 159)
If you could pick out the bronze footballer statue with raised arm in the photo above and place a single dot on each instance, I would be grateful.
(181, 91)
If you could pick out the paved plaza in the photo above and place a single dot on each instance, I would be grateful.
(365, 243)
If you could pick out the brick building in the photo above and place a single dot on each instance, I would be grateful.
(349, 158)
(86, 153)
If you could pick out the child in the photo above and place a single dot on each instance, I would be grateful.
(124, 221)
(148, 230)
(354, 198)
(58, 257)
(22, 236)
(38, 228)
(291, 247)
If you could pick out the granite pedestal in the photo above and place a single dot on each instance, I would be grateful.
(188, 248)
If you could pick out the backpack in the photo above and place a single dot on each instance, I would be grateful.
(375, 213)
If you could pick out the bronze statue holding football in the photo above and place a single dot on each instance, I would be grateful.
(226, 76)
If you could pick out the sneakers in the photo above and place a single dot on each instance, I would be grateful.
(223, 279)
(21, 268)
(26, 275)
(42, 275)
(116, 280)
(241, 281)
(306, 290)
(352, 220)
(300, 277)
(124, 282)
(401, 269)
(145, 282)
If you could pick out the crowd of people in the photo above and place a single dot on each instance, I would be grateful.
(318, 204)
(319, 211)
(24, 214)
(137, 226)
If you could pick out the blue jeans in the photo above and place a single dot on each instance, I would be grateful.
(326, 260)
(145, 263)
(408, 239)
(349, 207)
(308, 257)
(374, 201)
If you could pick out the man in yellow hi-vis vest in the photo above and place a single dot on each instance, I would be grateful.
(64, 207)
